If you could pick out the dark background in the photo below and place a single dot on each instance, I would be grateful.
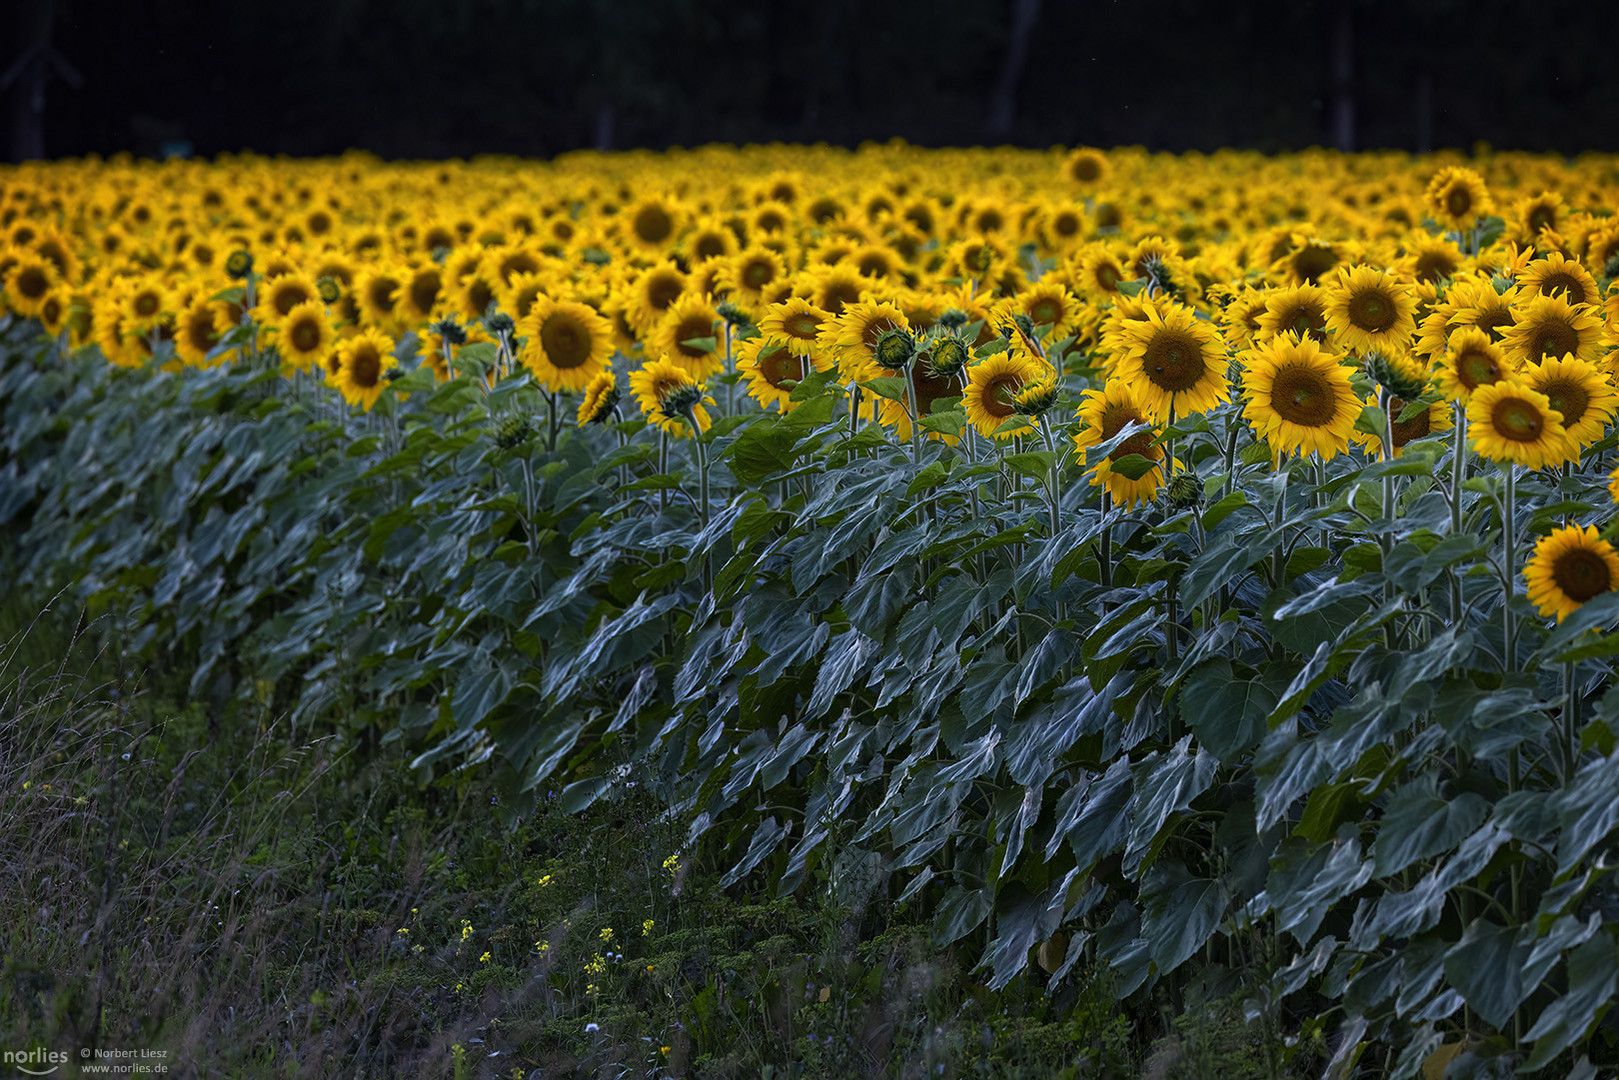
(438, 78)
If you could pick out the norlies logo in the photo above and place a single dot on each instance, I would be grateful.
(36, 1062)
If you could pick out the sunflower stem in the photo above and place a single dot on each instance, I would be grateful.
(1104, 560)
(551, 410)
(854, 408)
(1458, 473)
(1509, 625)
(702, 493)
(663, 467)
(1571, 720)
(916, 416)
(730, 372)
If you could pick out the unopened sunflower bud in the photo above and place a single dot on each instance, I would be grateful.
(894, 348)
(329, 290)
(681, 402)
(1035, 397)
(240, 264)
(1184, 490)
(498, 321)
(513, 432)
(947, 357)
(733, 315)
(450, 331)
(440, 254)
(954, 319)
(1401, 379)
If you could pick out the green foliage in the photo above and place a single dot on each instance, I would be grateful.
(1295, 716)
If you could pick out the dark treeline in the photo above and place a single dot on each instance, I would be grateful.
(427, 78)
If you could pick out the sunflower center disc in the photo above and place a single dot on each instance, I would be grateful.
(1556, 340)
(566, 345)
(1568, 398)
(803, 326)
(367, 368)
(1516, 420)
(1582, 574)
(1173, 362)
(1371, 313)
(1303, 397)
(1476, 369)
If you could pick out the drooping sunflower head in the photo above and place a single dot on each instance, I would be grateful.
(1457, 197)
(1550, 326)
(1298, 397)
(600, 398)
(1509, 421)
(1369, 308)
(1570, 567)
(1105, 414)
(567, 343)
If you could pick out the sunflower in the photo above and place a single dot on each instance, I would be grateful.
(853, 336)
(797, 323)
(1468, 302)
(1578, 390)
(1432, 259)
(54, 311)
(1103, 414)
(1471, 360)
(687, 335)
(600, 398)
(359, 367)
(927, 387)
(877, 261)
(1556, 275)
(652, 223)
(1175, 361)
(1569, 567)
(991, 385)
(422, 294)
(29, 281)
(472, 293)
(711, 238)
(1086, 167)
(748, 274)
(1051, 308)
(652, 294)
(1239, 319)
(567, 344)
(379, 289)
(1550, 326)
(305, 335)
(1300, 311)
(1510, 421)
(1099, 272)
(1298, 397)
(1539, 212)
(837, 286)
(1370, 309)
(652, 386)
(767, 363)
(145, 305)
(521, 292)
(1457, 197)
(1431, 420)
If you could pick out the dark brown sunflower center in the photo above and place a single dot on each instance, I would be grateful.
(1306, 321)
(519, 262)
(990, 221)
(1086, 169)
(769, 221)
(1476, 369)
(1582, 574)
(50, 311)
(930, 388)
(1115, 420)
(662, 291)
(1554, 339)
(1516, 419)
(424, 290)
(200, 330)
(758, 273)
(998, 395)
(304, 335)
(565, 341)
(1434, 266)
(1313, 261)
(1045, 311)
(837, 296)
(1303, 396)
(1567, 397)
(1566, 283)
(1173, 361)
(147, 303)
(1492, 322)
(691, 327)
(1372, 312)
(1458, 202)
(382, 293)
(479, 295)
(1418, 427)
(1542, 217)
(779, 365)
(365, 366)
(709, 246)
(653, 225)
(1109, 216)
(803, 325)
(1108, 277)
(873, 265)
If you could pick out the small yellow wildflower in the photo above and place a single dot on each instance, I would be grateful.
(484, 959)
(606, 933)
(646, 927)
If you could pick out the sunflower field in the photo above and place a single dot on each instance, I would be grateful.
(1196, 569)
